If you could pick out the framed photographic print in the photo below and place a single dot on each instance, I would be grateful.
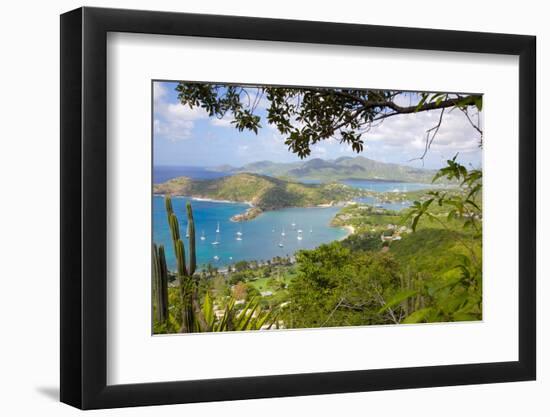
(258, 208)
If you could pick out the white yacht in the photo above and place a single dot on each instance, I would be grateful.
(217, 241)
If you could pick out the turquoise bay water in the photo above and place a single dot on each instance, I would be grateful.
(260, 236)
(386, 186)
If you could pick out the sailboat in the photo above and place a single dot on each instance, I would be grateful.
(299, 237)
(311, 230)
(217, 241)
(239, 234)
(293, 224)
(203, 237)
(283, 232)
(216, 258)
(281, 243)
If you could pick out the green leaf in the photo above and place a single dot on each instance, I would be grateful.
(418, 316)
(479, 102)
(427, 203)
(397, 299)
(208, 310)
(246, 314)
(465, 317)
(473, 204)
(421, 102)
(415, 222)
(262, 320)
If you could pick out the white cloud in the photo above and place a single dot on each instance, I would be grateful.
(319, 151)
(159, 91)
(173, 121)
(173, 130)
(179, 111)
(408, 132)
(225, 122)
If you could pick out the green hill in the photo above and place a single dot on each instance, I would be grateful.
(266, 193)
(343, 168)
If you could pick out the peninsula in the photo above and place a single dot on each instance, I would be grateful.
(263, 193)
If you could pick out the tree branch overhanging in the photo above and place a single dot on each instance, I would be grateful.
(306, 116)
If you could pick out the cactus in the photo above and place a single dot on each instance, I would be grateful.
(192, 253)
(160, 284)
(192, 317)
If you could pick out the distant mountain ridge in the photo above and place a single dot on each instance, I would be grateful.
(343, 168)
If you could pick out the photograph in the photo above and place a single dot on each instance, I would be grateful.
(245, 208)
(282, 207)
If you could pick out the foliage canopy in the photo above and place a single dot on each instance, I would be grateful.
(306, 116)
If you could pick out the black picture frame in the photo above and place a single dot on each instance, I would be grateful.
(84, 207)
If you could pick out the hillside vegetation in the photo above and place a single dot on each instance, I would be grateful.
(420, 265)
(264, 192)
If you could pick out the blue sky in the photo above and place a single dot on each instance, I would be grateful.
(188, 137)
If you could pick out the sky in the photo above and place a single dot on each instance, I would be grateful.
(189, 137)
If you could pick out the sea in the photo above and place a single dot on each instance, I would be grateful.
(274, 233)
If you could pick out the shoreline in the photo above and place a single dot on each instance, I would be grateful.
(213, 200)
(250, 214)
(206, 199)
(253, 211)
(350, 229)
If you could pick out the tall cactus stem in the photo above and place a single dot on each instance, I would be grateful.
(163, 296)
(192, 317)
(160, 283)
(192, 253)
(156, 281)
(180, 258)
